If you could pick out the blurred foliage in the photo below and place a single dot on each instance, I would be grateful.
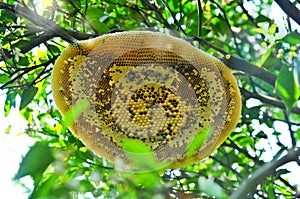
(61, 166)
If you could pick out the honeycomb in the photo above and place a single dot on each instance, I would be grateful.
(146, 86)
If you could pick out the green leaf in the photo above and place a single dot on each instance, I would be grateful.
(271, 192)
(27, 96)
(7, 130)
(9, 102)
(96, 17)
(280, 172)
(54, 49)
(199, 139)
(287, 86)
(135, 146)
(35, 162)
(23, 61)
(44, 190)
(292, 38)
(74, 113)
(86, 186)
(260, 30)
(272, 29)
(297, 134)
(4, 78)
(148, 180)
(270, 62)
(266, 55)
(141, 156)
(262, 18)
(211, 188)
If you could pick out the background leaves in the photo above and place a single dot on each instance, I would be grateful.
(264, 54)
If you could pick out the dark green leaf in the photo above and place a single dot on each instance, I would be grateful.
(282, 171)
(54, 49)
(262, 18)
(24, 61)
(35, 162)
(9, 102)
(287, 87)
(27, 96)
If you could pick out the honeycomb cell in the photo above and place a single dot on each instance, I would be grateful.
(150, 87)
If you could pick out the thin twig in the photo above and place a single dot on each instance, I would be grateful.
(200, 13)
(174, 18)
(268, 100)
(292, 133)
(243, 151)
(240, 3)
(229, 27)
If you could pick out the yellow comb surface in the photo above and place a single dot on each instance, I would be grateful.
(146, 86)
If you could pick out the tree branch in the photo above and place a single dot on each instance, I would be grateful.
(249, 185)
(236, 63)
(289, 8)
(48, 25)
(268, 100)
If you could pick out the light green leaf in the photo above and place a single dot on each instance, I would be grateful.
(135, 146)
(44, 190)
(211, 188)
(141, 156)
(74, 113)
(27, 96)
(4, 78)
(148, 179)
(271, 192)
(266, 55)
(260, 30)
(7, 130)
(272, 29)
(199, 139)
(287, 86)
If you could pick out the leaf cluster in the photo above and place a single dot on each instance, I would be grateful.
(266, 64)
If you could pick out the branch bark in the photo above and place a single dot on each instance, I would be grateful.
(236, 63)
(249, 186)
(289, 8)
